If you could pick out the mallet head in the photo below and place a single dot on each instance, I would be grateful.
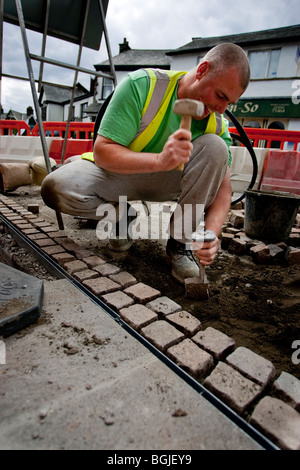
(189, 107)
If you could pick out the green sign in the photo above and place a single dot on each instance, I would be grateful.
(268, 108)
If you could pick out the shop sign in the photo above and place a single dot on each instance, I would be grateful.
(279, 108)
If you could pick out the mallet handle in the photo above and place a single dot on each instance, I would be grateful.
(185, 123)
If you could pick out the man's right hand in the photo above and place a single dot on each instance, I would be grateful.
(177, 150)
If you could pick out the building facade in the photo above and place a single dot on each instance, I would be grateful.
(272, 99)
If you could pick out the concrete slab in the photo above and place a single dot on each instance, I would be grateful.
(21, 298)
(77, 380)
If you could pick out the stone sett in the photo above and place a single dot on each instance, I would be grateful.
(232, 387)
(41, 242)
(63, 258)
(162, 334)
(237, 247)
(185, 322)
(93, 261)
(253, 366)
(226, 239)
(260, 253)
(82, 254)
(293, 256)
(106, 269)
(75, 266)
(142, 293)
(287, 388)
(117, 300)
(163, 306)
(58, 234)
(278, 421)
(191, 358)
(53, 250)
(215, 342)
(86, 274)
(123, 278)
(30, 231)
(138, 316)
(101, 285)
(22, 225)
(49, 229)
(37, 236)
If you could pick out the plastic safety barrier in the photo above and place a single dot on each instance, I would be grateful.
(12, 127)
(281, 172)
(74, 147)
(268, 137)
(77, 130)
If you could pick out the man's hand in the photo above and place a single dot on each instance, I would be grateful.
(177, 149)
(207, 253)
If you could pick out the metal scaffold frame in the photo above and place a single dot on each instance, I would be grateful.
(84, 26)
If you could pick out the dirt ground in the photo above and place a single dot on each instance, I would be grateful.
(257, 305)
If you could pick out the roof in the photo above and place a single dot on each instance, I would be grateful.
(61, 94)
(268, 36)
(133, 59)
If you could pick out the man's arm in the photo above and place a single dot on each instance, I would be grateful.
(117, 158)
(214, 219)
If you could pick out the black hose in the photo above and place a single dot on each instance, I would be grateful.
(243, 138)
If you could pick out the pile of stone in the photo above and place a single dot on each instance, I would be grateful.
(235, 241)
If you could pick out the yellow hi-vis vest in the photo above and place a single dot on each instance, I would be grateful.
(161, 87)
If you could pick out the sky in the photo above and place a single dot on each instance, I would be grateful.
(159, 24)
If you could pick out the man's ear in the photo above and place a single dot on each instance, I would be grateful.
(202, 69)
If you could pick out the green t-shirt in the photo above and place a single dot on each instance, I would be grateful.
(122, 118)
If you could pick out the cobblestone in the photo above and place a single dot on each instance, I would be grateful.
(215, 342)
(163, 306)
(162, 334)
(191, 358)
(287, 388)
(142, 293)
(253, 366)
(117, 300)
(232, 387)
(185, 322)
(101, 285)
(279, 421)
(138, 316)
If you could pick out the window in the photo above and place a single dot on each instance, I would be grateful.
(264, 64)
(83, 109)
(107, 87)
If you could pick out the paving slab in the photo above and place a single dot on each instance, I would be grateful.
(76, 379)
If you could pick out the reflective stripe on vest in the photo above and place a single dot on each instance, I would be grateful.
(161, 88)
(216, 124)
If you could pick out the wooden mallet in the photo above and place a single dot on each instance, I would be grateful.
(187, 108)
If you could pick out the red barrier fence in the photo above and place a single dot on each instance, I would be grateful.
(11, 127)
(77, 130)
(266, 138)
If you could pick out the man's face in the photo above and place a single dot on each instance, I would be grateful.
(215, 91)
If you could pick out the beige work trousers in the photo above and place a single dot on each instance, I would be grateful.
(80, 187)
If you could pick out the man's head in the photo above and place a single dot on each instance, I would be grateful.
(220, 79)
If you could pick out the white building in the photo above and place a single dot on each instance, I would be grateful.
(272, 99)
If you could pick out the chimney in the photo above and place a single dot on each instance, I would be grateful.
(124, 47)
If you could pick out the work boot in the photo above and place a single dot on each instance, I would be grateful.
(182, 260)
(118, 242)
